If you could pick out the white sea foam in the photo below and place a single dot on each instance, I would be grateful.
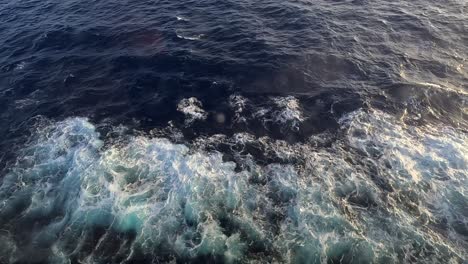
(285, 111)
(193, 37)
(385, 193)
(20, 66)
(290, 110)
(238, 103)
(192, 108)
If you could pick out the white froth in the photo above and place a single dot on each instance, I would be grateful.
(290, 110)
(180, 18)
(20, 66)
(192, 108)
(193, 37)
(283, 111)
(182, 201)
(238, 103)
(286, 111)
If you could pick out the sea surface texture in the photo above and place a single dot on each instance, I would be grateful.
(233, 131)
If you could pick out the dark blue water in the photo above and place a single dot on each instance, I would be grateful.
(233, 131)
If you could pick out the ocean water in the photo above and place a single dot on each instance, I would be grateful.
(233, 131)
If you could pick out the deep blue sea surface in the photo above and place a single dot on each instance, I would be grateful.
(246, 131)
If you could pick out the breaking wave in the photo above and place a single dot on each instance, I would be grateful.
(380, 191)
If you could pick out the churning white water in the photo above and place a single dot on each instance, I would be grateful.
(383, 192)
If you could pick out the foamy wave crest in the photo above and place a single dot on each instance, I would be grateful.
(192, 109)
(285, 111)
(382, 193)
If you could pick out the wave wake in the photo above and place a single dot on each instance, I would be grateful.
(382, 192)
